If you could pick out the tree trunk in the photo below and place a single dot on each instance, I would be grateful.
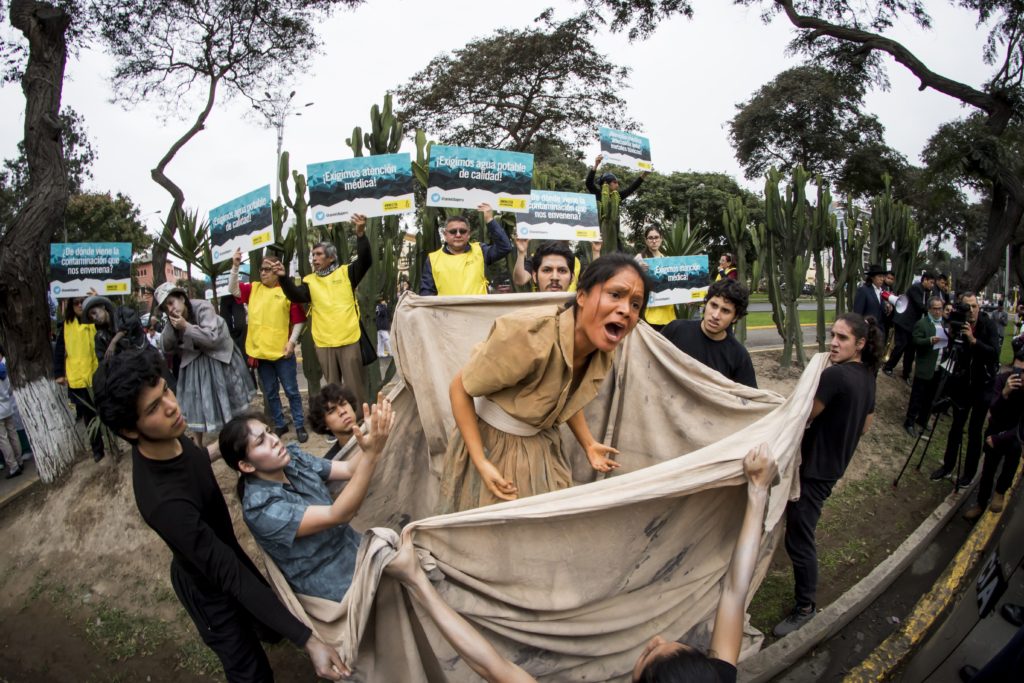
(24, 248)
(177, 195)
(1005, 215)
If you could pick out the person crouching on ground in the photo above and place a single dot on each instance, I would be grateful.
(177, 494)
(661, 661)
(843, 409)
(332, 413)
(710, 340)
(538, 367)
(214, 384)
(288, 508)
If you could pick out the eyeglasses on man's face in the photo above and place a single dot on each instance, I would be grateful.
(458, 231)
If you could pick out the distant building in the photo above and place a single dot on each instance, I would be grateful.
(144, 278)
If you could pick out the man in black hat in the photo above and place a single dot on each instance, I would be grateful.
(917, 306)
(868, 299)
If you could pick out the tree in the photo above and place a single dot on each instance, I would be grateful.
(514, 87)
(166, 50)
(79, 157)
(699, 197)
(24, 323)
(849, 37)
(99, 217)
(812, 117)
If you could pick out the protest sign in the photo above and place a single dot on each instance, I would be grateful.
(102, 267)
(560, 216)
(626, 149)
(244, 223)
(379, 185)
(464, 177)
(678, 279)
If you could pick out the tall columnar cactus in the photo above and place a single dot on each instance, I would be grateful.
(894, 235)
(310, 364)
(848, 256)
(787, 232)
(736, 223)
(608, 214)
(822, 226)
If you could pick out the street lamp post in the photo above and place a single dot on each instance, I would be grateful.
(275, 110)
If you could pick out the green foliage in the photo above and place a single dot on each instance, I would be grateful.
(894, 236)
(811, 117)
(702, 197)
(98, 217)
(516, 86)
(848, 254)
(192, 244)
(737, 225)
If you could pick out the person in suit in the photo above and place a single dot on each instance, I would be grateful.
(868, 299)
(917, 306)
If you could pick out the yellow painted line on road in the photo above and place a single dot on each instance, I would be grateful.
(897, 648)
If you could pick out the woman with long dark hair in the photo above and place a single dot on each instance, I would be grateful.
(538, 368)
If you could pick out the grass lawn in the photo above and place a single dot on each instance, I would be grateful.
(761, 318)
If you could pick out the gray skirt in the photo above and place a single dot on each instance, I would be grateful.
(210, 392)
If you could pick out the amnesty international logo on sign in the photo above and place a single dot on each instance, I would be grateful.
(379, 185)
(560, 216)
(465, 177)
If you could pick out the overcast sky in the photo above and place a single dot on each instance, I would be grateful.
(685, 83)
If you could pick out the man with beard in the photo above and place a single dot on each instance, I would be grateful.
(710, 340)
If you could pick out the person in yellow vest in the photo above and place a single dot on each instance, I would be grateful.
(74, 362)
(458, 266)
(331, 289)
(727, 267)
(526, 269)
(275, 324)
(656, 316)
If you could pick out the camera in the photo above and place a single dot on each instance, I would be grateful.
(958, 319)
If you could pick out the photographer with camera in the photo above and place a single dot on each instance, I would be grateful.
(1002, 439)
(975, 341)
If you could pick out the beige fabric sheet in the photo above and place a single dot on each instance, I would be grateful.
(568, 584)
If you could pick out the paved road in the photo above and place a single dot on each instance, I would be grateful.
(764, 307)
(769, 338)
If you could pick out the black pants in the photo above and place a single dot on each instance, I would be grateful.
(921, 394)
(972, 413)
(84, 412)
(801, 520)
(902, 348)
(226, 628)
(1009, 456)
(1007, 664)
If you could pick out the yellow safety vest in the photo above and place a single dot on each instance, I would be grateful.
(720, 276)
(80, 351)
(459, 273)
(269, 322)
(335, 313)
(660, 315)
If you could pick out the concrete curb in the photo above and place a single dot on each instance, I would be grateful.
(21, 488)
(897, 648)
(785, 652)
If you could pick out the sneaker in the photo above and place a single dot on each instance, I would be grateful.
(96, 457)
(301, 435)
(887, 372)
(997, 502)
(964, 481)
(973, 512)
(1013, 614)
(910, 430)
(14, 473)
(281, 431)
(331, 438)
(941, 473)
(796, 619)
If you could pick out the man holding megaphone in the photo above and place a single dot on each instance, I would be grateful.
(914, 306)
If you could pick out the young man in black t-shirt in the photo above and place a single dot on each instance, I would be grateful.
(843, 409)
(178, 496)
(710, 340)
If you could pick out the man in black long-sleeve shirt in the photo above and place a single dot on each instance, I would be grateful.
(331, 288)
(612, 182)
(178, 497)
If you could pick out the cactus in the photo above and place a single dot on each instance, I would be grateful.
(894, 235)
(310, 364)
(784, 250)
(822, 227)
(848, 257)
(736, 224)
(608, 214)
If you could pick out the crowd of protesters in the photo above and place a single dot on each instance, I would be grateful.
(151, 384)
